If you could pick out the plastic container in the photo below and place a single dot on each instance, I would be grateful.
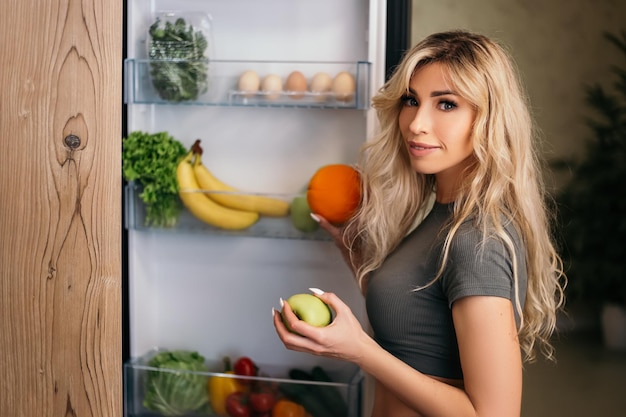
(346, 387)
(179, 46)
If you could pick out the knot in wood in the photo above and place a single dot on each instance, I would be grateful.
(72, 141)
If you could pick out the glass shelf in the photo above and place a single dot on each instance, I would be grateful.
(224, 88)
(266, 227)
(346, 386)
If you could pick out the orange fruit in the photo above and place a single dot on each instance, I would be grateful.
(334, 192)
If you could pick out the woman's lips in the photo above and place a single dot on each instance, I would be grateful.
(421, 149)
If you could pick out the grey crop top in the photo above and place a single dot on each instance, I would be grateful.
(416, 326)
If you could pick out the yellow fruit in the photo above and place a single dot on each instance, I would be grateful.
(203, 207)
(233, 198)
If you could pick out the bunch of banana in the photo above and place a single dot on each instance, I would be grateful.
(233, 198)
(205, 209)
(217, 203)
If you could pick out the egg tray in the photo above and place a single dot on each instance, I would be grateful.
(224, 88)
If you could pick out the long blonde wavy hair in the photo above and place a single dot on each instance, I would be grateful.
(504, 184)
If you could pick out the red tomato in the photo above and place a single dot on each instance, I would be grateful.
(245, 367)
(237, 405)
(262, 401)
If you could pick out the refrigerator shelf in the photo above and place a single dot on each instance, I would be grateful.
(265, 227)
(225, 90)
(347, 383)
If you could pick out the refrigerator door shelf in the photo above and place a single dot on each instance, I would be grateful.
(346, 386)
(224, 88)
(267, 227)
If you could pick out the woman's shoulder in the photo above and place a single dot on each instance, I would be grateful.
(471, 233)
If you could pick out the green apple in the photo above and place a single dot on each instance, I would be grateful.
(301, 215)
(309, 309)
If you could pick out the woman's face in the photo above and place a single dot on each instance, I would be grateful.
(436, 124)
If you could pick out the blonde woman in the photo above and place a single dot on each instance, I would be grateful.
(460, 301)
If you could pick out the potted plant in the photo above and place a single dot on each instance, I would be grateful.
(593, 207)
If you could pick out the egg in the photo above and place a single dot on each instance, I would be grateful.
(344, 86)
(320, 84)
(296, 85)
(249, 83)
(272, 86)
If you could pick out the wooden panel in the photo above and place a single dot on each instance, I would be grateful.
(60, 199)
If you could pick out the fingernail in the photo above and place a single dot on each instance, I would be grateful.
(316, 291)
(282, 303)
(315, 217)
(273, 312)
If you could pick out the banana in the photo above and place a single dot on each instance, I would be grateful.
(234, 198)
(203, 207)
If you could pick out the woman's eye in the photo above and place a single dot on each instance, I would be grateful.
(409, 101)
(447, 105)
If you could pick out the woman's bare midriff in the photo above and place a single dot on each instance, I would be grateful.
(386, 404)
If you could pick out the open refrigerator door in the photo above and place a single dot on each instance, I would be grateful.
(199, 288)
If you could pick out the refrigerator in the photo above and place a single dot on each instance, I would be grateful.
(201, 288)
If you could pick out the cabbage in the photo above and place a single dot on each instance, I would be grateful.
(177, 387)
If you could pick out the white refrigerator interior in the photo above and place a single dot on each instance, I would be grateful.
(214, 292)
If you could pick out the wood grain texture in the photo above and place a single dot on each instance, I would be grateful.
(60, 218)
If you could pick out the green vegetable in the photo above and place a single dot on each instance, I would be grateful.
(304, 395)
(331, 394)
(178, 387)
(151, 160)
(179, 69)
(328, 395)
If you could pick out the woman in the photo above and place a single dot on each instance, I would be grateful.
(457, 303)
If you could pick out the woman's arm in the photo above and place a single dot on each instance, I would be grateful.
(490, 358)
(490, 354)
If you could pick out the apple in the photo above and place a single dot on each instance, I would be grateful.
(309, 309)
(301, 215)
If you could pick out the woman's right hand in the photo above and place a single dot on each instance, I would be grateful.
(344, 338)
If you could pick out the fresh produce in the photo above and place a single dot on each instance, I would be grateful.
(287, 408)
(309, 309)
(203, 207)
(151, 160)
(244, 366)
(177, 387)
(237, 405)
(220, 387)
(300, 214)
(262, 400)
(231, 197)
(303, 395)
(179, 67)
(330, 394)
(326, 394)
(334, 192)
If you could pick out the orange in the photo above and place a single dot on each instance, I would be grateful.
(334, 192)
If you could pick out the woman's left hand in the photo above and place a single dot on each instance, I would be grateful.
(344, 338)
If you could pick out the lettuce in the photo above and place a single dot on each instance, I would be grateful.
(151, 160)
(178, 386)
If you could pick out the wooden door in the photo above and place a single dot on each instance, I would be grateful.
(60, 208)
